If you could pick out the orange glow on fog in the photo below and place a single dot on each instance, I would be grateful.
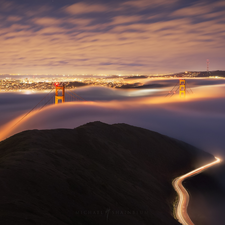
(11, 127)
(200, 93)
(7, 129)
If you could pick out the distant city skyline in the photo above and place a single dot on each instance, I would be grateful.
(111, 37)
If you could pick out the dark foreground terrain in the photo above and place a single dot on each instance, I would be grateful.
(95, 174)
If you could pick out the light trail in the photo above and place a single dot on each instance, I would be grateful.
(181, 211)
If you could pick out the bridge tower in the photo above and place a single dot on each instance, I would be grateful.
(59, 87)
(182, 88)
(207, 62)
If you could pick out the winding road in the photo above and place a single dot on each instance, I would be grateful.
(181, 211)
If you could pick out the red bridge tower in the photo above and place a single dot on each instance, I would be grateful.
(58, 97)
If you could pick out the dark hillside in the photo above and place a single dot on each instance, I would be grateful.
(95, 174)
(218, 73)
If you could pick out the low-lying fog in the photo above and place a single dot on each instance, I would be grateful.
(199, 119)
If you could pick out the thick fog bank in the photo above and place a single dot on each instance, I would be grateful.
(198, 119)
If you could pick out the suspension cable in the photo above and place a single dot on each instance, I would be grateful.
(72, 96)
(79, 97)
(30, 110)
(172, 89)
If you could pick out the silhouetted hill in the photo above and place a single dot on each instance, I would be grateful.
(136, 77)
(92, 175)
(218, 73)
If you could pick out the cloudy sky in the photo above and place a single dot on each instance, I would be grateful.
(111, 36)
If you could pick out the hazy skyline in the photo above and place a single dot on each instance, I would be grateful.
(121, 37)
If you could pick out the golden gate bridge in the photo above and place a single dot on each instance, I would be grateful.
(183, 88)
(62, 95)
